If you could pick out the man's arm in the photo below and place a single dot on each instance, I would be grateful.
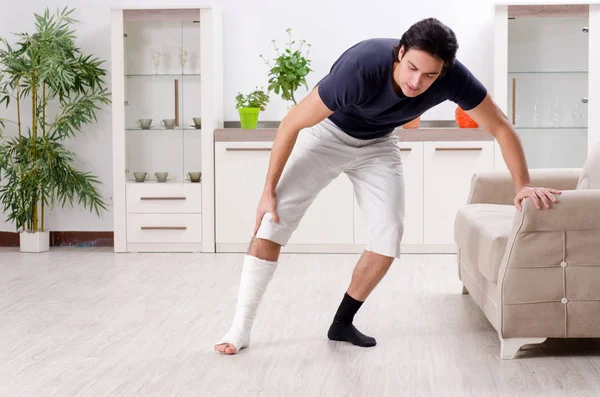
(310, 111)
(489, 116)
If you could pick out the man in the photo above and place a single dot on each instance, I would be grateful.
(345, 125)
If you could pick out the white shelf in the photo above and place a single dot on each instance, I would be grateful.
(548, 128)
(549, 72)
(164, 129)
(158, 75)
(149, 181)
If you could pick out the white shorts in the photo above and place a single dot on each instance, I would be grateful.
(373, 166)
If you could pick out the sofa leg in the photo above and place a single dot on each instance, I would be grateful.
(464, 290)
(510, 346)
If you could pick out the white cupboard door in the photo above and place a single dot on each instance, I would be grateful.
(412, 166)
(241, 169)
(240, 172)
(329, 219)
(448, 170)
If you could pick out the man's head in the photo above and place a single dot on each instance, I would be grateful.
(425, 52)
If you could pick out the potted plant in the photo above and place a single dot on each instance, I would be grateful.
(289, 70)
(47, 70)
(250, 105)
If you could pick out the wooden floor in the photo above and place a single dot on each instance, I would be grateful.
(87, 322)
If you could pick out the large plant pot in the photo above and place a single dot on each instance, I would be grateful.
(34, 241)
(249, 117)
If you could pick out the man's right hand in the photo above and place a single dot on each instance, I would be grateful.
(267, 203)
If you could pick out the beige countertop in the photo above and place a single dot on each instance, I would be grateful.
(407, 135)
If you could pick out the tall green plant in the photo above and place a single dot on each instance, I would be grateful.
(47, 69)
(289, 70)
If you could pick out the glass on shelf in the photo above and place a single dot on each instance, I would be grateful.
(556, 113)
(543, 99)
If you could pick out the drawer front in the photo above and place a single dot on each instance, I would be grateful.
(164, 228)
(448, 171)
(164, 198)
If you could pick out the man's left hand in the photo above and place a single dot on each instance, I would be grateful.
(537, 194)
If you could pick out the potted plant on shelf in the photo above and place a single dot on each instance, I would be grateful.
(289, 70)
(47, 70)
(249, 106)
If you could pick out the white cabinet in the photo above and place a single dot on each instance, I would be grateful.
(240, 172)
(448, 168)
(329, 219)
(412, 166)
(166, 89)
(437, 176)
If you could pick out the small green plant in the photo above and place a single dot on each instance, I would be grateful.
(289, 70)
(256, 99)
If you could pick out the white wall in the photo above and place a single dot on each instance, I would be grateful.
(329, 25)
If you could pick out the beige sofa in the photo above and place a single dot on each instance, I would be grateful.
(536, 273)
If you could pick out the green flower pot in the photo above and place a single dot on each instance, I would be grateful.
(249, 117)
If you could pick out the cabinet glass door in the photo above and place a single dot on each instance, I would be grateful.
(548, 87)
(162, 100)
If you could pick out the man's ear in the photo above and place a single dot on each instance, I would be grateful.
(401, 53)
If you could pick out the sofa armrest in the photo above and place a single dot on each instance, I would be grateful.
(532, 280)
(497, 187)
(575, 210)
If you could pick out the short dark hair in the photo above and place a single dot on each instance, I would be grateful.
(432, 36)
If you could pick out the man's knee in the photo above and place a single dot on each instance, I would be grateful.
(264, 249)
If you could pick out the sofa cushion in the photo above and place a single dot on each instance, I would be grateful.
(590, 174)
(481, 232)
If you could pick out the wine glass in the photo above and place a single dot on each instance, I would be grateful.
(183, 55)
(156, 60)
(575, 114)
(536, 113)
(556, 113)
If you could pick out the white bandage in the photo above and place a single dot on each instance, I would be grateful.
(256, 274)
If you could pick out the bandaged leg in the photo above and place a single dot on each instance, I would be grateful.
(256, 274)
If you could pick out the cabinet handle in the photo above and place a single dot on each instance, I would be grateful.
(248, 149)
(164, 228)
(514, 100)
(405, 149)
(453, 149)
(162, 198)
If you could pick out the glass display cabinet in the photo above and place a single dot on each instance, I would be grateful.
(544, 80)
(167, 95)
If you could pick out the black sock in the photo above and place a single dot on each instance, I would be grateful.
(342, 328)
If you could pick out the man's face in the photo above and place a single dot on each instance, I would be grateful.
(416, 71)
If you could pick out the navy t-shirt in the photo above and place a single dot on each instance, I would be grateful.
(359, 90)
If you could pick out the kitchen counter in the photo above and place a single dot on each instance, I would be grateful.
(406, 135)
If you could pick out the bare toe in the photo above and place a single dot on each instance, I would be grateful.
(226, 348)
